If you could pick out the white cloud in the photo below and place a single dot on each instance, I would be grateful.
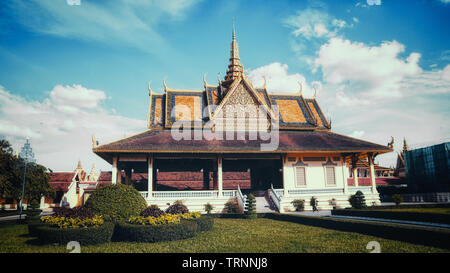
(376, 71)
(373, 2)
(312, 23)
(76, 96)
(446, 73)
(278, 80)
(124, 22)
(357, 134)
(60, 127)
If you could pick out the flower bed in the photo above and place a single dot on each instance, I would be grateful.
(78, 224)
(166, 227)
(155, 233)
(69, 222)
(48, 234)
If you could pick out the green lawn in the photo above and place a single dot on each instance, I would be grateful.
(229, 235)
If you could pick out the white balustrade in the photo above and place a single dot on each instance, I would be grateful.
(187, 194)
(276, 195)
(363, 189)
(241, 198)
(317, 191)
(144, 194)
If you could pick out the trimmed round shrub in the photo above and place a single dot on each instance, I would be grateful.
(116, 202)
(203, 223)
(85, 236)
(148, 233)
(298, 204)
(357, 200)
(231, 207)
(177, 208)
(208, 208)
(397, 199)
(153, 211)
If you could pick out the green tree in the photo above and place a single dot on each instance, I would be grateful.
(11, 177)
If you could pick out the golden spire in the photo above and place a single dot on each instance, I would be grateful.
(235, 68)
(405, 145)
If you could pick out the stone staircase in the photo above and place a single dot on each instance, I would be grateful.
(264, 204)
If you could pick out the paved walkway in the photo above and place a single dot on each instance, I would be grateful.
(415, 223)
(16, 217)
(320, 213)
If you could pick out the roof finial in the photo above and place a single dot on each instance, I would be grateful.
(315, 93)
(94, 142)
(301, 89)
(149, 88)
(79, 165)
(405, 145)
(204, 80)
(235, 68)
(265, 82)
(234, 31)
(165, 85)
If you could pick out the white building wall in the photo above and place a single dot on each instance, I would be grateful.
(327, 195)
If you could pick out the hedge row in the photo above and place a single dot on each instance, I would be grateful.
(410, 206)
(440, 218)
(85, 236)
(141, 233)
(435, 237)
(203, 223)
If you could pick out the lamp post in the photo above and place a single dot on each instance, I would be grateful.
(28, 156)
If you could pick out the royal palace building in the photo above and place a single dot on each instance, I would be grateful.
(222, 142)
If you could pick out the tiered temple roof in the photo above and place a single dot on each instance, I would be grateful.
(295, 111)
(302, 125)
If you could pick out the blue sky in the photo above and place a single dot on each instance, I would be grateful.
(69, 71)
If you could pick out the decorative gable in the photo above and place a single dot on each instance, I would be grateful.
(244, 105)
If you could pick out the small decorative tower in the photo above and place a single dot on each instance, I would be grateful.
(93, 175)
(27, 152)
(405, 145)
(79, 170)
(235, 68)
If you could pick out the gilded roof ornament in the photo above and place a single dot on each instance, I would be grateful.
(391, 144)
(301, 89)
(315, 93)
(94, 142)
(149, 88)
(264, 86)
(165, 85)
(204, 80)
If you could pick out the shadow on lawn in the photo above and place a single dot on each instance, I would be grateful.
(434, 237)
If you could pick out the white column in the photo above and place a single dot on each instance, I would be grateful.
(114, 170)
(344, 176)
(355, 176)
(150, 177)
(372, 174)
(219, 175)
(285, 177)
